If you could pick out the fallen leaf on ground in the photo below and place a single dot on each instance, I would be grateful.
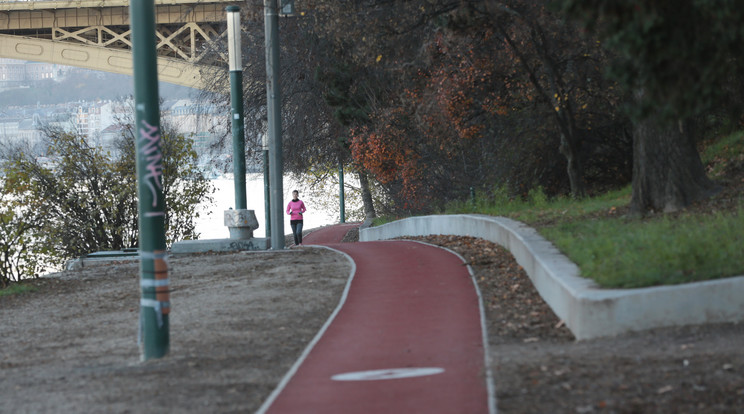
(664, 389)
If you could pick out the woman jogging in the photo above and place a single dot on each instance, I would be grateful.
(295, 208)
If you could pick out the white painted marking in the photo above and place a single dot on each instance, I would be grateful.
(387, 374)
(484, 334)
(293, 370)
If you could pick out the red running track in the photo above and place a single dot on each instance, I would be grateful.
(328, 235)
(407, 338)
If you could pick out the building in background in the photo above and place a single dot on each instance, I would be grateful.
(99, 120)
(88, 119)
(19, 73)
(104, 122)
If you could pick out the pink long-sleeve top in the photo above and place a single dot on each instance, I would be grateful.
(295, 209)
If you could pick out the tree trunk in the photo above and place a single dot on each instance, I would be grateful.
(570, 146)
(369, 208)
(668, 174)
(570, 140)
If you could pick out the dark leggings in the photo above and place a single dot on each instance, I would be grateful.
(296, 230)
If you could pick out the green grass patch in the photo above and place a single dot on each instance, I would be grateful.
(379, 221)
(730, 146)
(618, 253)
(538, 209)
(722, 152)
(16, 288)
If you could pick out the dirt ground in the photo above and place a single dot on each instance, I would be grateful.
(240, 320)
(238, 323)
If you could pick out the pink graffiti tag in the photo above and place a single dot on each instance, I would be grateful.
(154, 157)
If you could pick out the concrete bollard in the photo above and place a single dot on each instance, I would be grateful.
(241, 223)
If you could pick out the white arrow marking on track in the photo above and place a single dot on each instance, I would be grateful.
(387, 374)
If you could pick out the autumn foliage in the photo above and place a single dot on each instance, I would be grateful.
(486, 102)
(435, 99)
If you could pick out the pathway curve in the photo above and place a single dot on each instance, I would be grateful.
(407, 337)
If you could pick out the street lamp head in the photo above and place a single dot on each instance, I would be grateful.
(233, 38)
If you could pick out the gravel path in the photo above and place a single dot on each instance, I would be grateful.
(238, 322)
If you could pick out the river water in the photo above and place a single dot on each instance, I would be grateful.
(212, 226)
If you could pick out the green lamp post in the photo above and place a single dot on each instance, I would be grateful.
(154, 300)
(236, 94)
(273, 98)
(341, 207)
(267, 186)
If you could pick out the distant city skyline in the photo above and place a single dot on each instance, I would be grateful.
(98, 121)
(92, 104)
(19, 75)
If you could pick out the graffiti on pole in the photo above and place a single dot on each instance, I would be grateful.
(151, 149)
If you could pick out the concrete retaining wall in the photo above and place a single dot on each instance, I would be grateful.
(587, 310)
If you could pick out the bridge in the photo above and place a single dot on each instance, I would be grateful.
(95, 34)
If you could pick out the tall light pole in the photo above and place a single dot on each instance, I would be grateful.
(236, 94)
(273, 97)
(154, 299)
(267, 185)
(341, 207)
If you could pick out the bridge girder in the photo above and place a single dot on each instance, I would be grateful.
(104, 59)
(96, 35)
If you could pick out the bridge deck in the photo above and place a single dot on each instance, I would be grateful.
(83, 13)
(95, 34)
(93, 4)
